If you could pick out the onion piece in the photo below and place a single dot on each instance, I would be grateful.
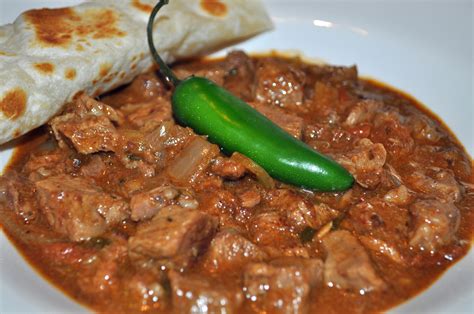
(262, 176)
(192, 160)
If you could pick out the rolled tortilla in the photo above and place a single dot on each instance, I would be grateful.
(48, 56)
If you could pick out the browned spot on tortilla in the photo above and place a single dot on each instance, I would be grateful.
(70, 73)
(79, 47)
(142, 6)
(214, 7)
(8, 54)
(13, 105)
(104, 69)
(45, 67)
(60, 27)
(122, 74)
(16, 133)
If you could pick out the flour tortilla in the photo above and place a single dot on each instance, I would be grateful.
(48, 56)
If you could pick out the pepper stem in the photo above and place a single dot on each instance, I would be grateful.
(164, 69)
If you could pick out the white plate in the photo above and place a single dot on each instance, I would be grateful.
(421, 47)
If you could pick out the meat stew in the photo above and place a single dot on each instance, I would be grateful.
(127, 211)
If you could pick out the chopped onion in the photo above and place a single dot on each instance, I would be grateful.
(262, 176)
(192, 160)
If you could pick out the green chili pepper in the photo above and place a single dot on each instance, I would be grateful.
(236, 127)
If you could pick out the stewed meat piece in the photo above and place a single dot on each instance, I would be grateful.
(145, 205)
(365, 162)
(240, 75)
(230, 251)
(436, 183)
(279, 84)
(89, 127)
(196, 294)
(175, 235)
(78, 208)
(435, 224)
(347, 265)
(283, 285)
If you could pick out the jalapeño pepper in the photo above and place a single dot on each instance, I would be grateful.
(236, 127)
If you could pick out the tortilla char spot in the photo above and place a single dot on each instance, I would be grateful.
(214, 7)
(104, 69)
(13, 105)
(70, 73)
(7, 54)
(142, 6)
(45, 67)
(16, 133)
(61, 27)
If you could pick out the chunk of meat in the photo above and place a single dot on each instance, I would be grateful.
(195, 294)
(48, 164)
(425, 130)
(144, 288)
(101, 277)
(145, 205)
(363, 111)
(279, 84)
(250, 198)
(145, 87)
(95, 168)
(87, 125)
(17, 192)
(435, 224)
(240, 75)
(230, 251)
(390, 130)
(347, 265)
(155, 110)
(298, 212)
(398, 196)
(291, 123)
(436, 183)
(78, 208)
(228, 168)
(268, 228)
(176, 234)
(382, 227)
(88, 135)
(365, 162)
(283, 286)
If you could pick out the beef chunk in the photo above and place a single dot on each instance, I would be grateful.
(363, 111)
(436, 183)
(228, 168)
(435, 224)
(347, 265)
(77, 208)
(268, 228)
(240, 76)
(146, 204)
(283, 286)
(175, 233)
(17, 192)
(101, 277)
(88, 135)
(279, 84)
(298, 212)
(199, 295)
(365, 162)
(89, 127)
(230, 251)
(292, 124)
(382, 227)
(390, 130)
